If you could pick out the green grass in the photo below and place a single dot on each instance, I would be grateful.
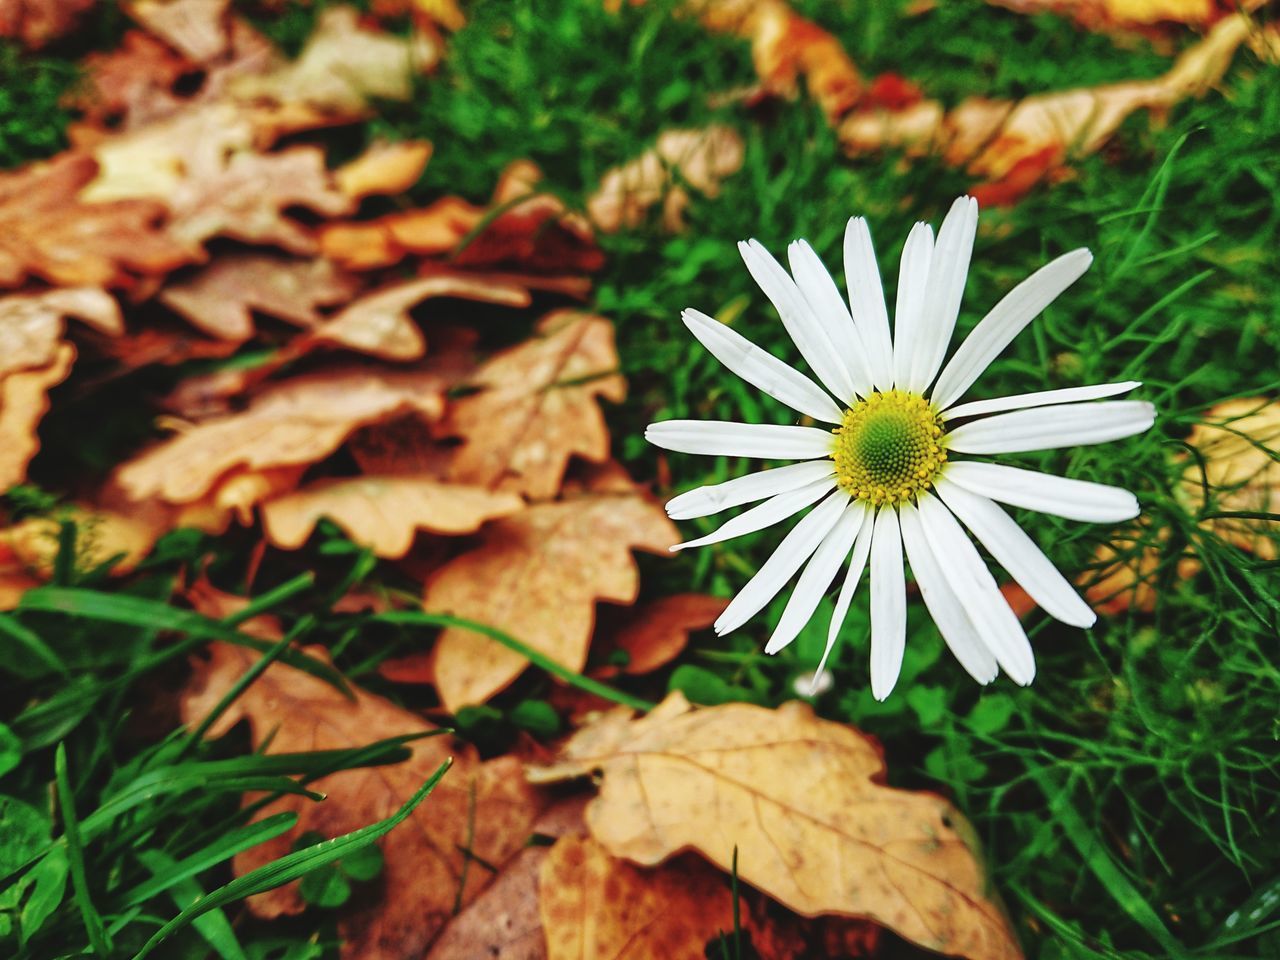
(1128, 799)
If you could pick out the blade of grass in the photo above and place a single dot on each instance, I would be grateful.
(213, 926)
(98, 940)
(536, 657)
(292, 866)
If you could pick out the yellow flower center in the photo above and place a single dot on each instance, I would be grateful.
(888, 447)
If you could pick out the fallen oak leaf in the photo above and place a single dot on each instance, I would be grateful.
(344, 67)
(481, 810)
(1140, 15)
(379, 323)
(195, 28)
(537, 575)
(373, 244)
(385, 168)
(102, 535)
(503, 923)
(31, 325)
(804, 802)
(46, 232)
(595, 907)
(36, 22)
(24, 400)
(383, 513)
(293, 422)
(537, 407)
(699, 158)
(129, 85)
(221, 298)
(654, 634)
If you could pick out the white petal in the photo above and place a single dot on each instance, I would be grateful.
(866, 301)
(908, 314)
(774, 510)
(857, 563)
(888, 604)
(976, 589)
(948, 272)
(723, 437)
(997, 329)
(761, 368)
(704, 501)
(1041, 398)
(944, 606)
(808, 332)
(1048, 428)
(1044, 492)
(1009, 544)
(817, 576)
(796, 547)
(822, 294)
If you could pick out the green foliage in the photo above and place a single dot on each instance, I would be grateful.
(32, 121)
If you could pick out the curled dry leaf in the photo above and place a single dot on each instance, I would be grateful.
(537, 407)
(485, 809)
(1013, 146)
(101, 535)
(1141, 15)
(384, 513)
(699, 158)
(385, 168)
(293, 423)
(24, 400)
(1236, 470)
(45, 231)
(195, 28)
(594, 907)
(503, 923)
(804, 802)
(537, 575)
(654, 634)
(31, 325)
(433, 230)
(379, 323)
(35, 22)
(221, 298)
(343, 67)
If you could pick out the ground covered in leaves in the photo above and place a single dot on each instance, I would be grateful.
(339, 617)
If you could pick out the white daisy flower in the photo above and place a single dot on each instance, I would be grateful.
(886, 481)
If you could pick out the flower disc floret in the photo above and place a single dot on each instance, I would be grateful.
(888, 447)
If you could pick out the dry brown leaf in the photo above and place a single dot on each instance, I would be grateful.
(1013, 146)
(654, 634)
(1238, 445)
(292, 423)
(195, 28)
(130, 84)
(1111, 15)
(537, 407)
(343, 67)
(503, 922)
(385, 168)
(14, 580)
(537, 575)
(445, 13)
(379, 323)
(485, 808)
(594, 907)
(804, 802)
(699, 158)
(46, 232)
(383, 513)
(221, 298)
(101, 535)
(165, 344)
(383, 242)
(31, 325)
(36, 22)
(24, 400)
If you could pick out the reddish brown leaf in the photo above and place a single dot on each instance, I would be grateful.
(221, 298)
(537, 575)
(804, 803)
(292, 423)
(538, 407)
(380, 243)
(36, 22)
(24, 400)
(486, 808)
(45, 231)
(130, 84)
(385, 168)
(654, 634)
(383, 513)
